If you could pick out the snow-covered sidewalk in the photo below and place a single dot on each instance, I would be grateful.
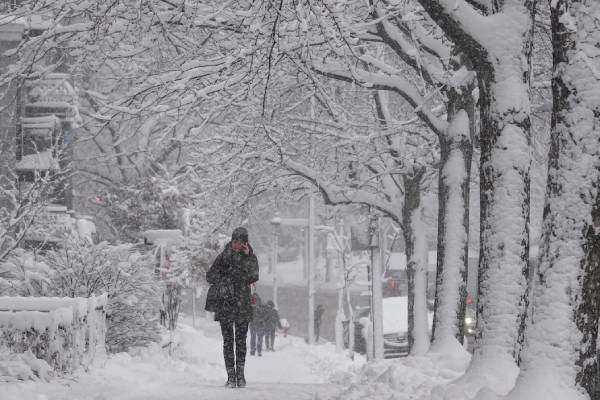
(196, 371)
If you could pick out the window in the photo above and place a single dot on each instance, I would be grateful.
(8, 5)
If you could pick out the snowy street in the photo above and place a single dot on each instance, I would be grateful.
(407, 189)
(195, 371)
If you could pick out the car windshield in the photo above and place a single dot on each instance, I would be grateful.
(398, 274)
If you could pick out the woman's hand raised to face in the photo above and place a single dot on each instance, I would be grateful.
(245, 248)
(240, 247)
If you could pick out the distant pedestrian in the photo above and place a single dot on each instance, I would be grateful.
(260, 322)
(272, 324)
(318, 317)
(232, 272)
(253, 333)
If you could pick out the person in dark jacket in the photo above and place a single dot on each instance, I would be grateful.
(252, 325)
(237, 265)
(260, 321)
(318, 317)
(272, 324)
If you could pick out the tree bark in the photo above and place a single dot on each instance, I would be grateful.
(503, 71)
(562, 335)
(416, 263)
(504, 223)
(453, 225)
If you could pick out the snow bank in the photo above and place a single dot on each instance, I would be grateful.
(23, 367)
(196, 370)
(412, 377)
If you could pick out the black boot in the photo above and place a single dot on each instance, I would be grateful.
(239, 374)
(231, 382)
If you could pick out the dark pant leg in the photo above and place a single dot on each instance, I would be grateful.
(252, 338)
(259, 341)
(272, 338)
(227, 333)
(241, 332)
(317, 331)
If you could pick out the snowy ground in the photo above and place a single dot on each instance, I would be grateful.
(195, 371)
(295, 371)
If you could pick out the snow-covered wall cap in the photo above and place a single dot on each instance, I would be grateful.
(37, 320)
(42, 161)
(163, 236)
(97, 301)
(77, 304)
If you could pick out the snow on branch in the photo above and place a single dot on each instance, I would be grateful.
(333, 194)
(380, 81)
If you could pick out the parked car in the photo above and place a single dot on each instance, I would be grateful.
(470, 321)
(395, 283)
(395, 327)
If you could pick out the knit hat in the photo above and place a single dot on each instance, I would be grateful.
(240, 234)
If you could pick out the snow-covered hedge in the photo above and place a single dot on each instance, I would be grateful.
(65, 332)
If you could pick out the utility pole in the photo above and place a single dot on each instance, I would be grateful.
(376, 291)
(274, 265)
(311, 270)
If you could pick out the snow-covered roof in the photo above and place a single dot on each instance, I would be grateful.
(85, 228)
(42, 122)
(11, 31)
(56, 208)
(163, 236)
(41, 161)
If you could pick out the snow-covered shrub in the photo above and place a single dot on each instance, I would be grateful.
(24, 274)
(83, 269)
(145, 205)
(185, 266)
(23, 366)
(134, 305)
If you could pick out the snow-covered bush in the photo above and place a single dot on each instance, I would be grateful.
(24, 274)
(134, 303)
(145, 205)
(186, 266)
(84, 269)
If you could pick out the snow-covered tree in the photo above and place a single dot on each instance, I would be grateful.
(562, 337)
(497, 38)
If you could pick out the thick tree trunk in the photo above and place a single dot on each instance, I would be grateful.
(504, 253)
(562, 336)
(453, 230)
(416, 264)
(502, 61)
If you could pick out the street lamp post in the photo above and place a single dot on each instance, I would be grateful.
(311, 270)
(274, 267)
(376, 290)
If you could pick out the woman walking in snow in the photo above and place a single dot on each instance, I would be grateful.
(235, 269)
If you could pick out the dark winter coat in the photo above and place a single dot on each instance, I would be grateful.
(241, 271)
(260, 320)
(319, 315)
(273, 320)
